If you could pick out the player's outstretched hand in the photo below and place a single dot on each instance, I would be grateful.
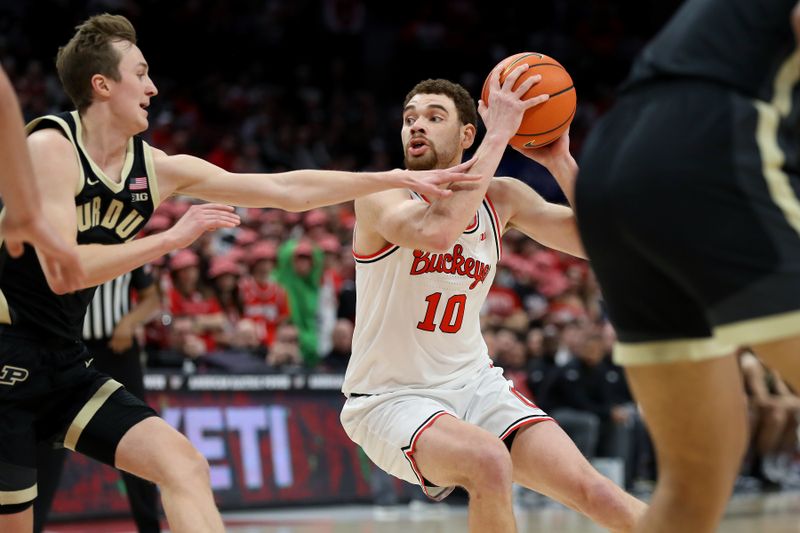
(60, 259)
(502, 114)
(201, 218)
(432, 182)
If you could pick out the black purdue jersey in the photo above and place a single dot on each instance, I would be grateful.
(738, 43)
(108, 213)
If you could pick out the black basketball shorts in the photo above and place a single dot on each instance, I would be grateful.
(687, 203)
(50, 392)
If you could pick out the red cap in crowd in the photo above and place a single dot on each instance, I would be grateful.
(330, 244)
(315, 217)
(262, 250)
(245, 236)
(182, 259)
(158, 223)
(304, 248)
(223, 265)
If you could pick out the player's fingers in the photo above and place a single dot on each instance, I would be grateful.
(465, 166)
(436, 192)
(527, 83)
(494, 80)
(215, 208)
(15, 248)
(514, 75)
(482, 109)
(536, 100)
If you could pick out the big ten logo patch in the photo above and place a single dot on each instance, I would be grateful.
(9, 375)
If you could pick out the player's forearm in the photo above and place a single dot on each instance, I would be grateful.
(301, 190)
(565, 171)
(451, 215)
(20, 198)
(103, 262)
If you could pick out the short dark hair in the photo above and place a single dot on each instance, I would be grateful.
(465, 105)
(89, 52)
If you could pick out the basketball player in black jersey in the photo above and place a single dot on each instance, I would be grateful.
(687, 202)
(102, 183)
(23, 221)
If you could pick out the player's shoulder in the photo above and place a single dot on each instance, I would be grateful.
(50, 143)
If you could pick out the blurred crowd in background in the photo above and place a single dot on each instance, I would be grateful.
(275, 85)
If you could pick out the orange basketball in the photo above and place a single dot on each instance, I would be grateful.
(546, 122)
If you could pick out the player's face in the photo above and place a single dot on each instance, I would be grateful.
(132, 93)
(431, 132)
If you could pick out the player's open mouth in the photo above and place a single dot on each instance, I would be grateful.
(417, 147)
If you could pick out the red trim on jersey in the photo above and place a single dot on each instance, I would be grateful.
(499, 229)
(409, 452)
(474, 223)
(523, 423)
(522, 398)
(372, 256)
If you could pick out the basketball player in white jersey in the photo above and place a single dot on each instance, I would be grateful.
(424, 401)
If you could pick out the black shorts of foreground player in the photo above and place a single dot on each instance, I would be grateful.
(101, 184)
(687, 203)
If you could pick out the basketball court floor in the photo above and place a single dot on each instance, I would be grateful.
(748, 513)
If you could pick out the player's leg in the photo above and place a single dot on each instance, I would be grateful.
(155, 451)
(547, 461)
(771, 428)
(697, 415)
(14, 520)
(49, 465)
(452, 452)
(417, 438)
(118, 429)
(784, 356)
(126, 368)
(143, 499)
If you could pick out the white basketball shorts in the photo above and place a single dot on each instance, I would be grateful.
(387, 426)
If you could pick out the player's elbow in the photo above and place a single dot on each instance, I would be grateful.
(57, 286)
(438, 239)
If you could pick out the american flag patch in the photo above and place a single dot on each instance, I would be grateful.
(137, 184)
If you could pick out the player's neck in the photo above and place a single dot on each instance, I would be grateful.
(104, 142)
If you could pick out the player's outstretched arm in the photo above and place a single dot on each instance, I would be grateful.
(298, 190)
(23, 221)
(57, 169)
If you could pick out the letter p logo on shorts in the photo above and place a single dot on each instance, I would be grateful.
(10, 375)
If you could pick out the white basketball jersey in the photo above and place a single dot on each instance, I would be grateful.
(418, 313)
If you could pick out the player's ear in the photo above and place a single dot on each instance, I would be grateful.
(100, 85)
(467, 135)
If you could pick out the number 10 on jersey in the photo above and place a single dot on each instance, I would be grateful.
(453, 313)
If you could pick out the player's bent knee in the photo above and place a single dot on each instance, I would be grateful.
(597, 495)
(490, 467)
(188, 467)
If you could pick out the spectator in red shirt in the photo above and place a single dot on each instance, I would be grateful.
(188, 298)
(265, 302)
